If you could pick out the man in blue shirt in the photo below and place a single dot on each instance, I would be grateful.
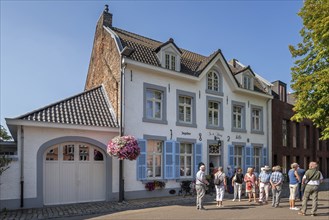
(276, 181)
(264, 184)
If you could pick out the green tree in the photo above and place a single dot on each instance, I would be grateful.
(4, 136)
(4, 161)
(310, 74)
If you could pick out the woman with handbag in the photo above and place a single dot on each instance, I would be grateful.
(237, 183)
(220, 185)
(251, 183)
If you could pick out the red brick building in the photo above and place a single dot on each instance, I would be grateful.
(295, 141)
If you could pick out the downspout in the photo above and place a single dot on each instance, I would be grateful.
(22, 165)
(269, 131)
(122, 79)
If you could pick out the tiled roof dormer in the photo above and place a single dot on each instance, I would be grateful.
(169, 55)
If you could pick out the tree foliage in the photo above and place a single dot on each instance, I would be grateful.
(4, 136)
(310, 74)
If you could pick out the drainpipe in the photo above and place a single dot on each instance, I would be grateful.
(121, 179)
(22, 165)
(269, 131)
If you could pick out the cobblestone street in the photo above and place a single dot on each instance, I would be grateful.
(176, 207)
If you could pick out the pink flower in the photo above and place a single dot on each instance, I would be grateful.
(124, 147)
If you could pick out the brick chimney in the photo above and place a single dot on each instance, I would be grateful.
(107, 17)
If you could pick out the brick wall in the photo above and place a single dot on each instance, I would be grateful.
(104, 66)
(313, 150)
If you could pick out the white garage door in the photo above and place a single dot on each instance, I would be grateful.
(73, 173)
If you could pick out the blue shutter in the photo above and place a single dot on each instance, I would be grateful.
(248, 157)
(141, 161)
(169, 160)
(197, 157)
(265, 162)
(252, 164)
(177, 160)
(231, 155)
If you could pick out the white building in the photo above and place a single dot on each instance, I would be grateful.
(184, 108)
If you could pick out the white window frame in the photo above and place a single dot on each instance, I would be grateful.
(170, 61)
(238, 115)
(257, 157)
(184, 106)
(214, 83)
(163, 106)
(256, 125)
(238, 158)
(151, 173)
(212, 110)
(247, 82)
(185, 155)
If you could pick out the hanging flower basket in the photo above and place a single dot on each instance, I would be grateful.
(124, 147)
(150, 186)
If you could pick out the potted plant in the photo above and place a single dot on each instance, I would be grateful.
(152, 185)
(124, 147)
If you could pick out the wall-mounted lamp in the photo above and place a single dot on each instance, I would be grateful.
(219, 141)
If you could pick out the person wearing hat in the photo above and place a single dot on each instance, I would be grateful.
(276, 181)
(293, 184)
(264, 184)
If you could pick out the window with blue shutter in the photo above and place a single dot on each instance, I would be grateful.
(169, 160)
(141, 161)
(197, 157)
(265, 156)
(248, 157)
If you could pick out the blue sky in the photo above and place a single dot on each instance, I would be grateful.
(46, 45)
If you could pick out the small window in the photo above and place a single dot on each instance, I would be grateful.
(170, 61)
(68, 152)
(52, 154)
(98, 156)
(247, 82)
(83, 152)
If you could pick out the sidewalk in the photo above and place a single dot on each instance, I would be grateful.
(176, 207)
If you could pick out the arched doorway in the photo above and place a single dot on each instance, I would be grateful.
(74, 172)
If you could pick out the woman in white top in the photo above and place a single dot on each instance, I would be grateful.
(221, 187)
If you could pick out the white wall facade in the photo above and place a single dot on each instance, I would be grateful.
(34, 141)
(133, 113)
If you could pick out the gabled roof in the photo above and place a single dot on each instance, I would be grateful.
(170, 41)
(145, 50)
(90, 108)
(193, 64)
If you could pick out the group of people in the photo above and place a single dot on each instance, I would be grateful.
(302, 185)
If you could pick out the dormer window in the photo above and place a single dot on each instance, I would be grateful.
(170, 61)
(248, 82)
(169, 55)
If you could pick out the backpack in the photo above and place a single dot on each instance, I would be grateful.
(217, 180)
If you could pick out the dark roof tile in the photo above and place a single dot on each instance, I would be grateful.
(91, 108)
